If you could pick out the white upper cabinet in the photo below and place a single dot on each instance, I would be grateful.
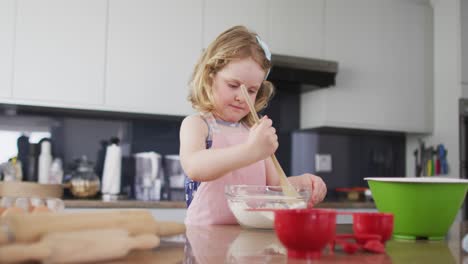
(153, 47)
(384, 81)
(7, 26)
(60, 52)
(220, 15)
(296, 27)
(138, 55)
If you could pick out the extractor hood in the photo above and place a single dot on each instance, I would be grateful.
(307, 73)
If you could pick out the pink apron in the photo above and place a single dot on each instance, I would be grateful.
(209, 205)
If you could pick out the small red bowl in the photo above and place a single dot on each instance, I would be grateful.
(373, 223)
(305, 232)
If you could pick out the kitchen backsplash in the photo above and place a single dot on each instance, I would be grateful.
(77, 133)
(344, 157)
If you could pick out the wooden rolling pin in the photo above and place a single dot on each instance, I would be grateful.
(78, 246)
(31, 227)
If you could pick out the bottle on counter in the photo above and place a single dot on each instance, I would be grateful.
(45, 161)
(23, 154)
(56, 172)
(32, 168)
(11, 170)
(18, 169)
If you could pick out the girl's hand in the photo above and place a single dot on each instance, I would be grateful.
(319, 189)
(263, 140)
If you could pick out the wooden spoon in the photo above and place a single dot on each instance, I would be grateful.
(288, 189)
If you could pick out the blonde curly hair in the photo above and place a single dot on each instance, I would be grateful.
(235, 43)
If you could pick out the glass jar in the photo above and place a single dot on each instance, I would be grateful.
(84, 182)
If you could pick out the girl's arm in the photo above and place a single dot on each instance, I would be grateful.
(201, 164)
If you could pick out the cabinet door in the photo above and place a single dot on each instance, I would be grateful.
(384, 80)
(7, 25)
(296, 27)
(152, 49)
(220, 15)
(60, 51)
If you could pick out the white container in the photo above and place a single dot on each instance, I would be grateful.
(45, 161)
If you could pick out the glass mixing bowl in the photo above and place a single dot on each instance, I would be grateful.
(253, 205)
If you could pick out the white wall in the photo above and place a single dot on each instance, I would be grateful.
(447, 85)
(7, 33)
(464, 46)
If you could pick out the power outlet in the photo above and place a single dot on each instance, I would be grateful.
(323, 162)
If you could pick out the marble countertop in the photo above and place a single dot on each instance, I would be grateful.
(179, 204)
(234, 244)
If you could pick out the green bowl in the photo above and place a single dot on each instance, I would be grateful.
(423, 207)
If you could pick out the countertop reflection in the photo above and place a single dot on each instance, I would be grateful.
(234, 244)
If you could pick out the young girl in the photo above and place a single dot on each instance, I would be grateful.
(222, 145)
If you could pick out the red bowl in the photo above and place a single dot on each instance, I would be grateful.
(305, 232)
(373, 223)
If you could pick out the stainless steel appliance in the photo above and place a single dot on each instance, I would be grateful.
(176, 177)
(149, 176)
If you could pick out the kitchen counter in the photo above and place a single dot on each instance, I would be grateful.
(123, 204)
(178, 204)
(233, 244)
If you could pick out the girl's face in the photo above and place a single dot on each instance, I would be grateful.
(230, 105)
